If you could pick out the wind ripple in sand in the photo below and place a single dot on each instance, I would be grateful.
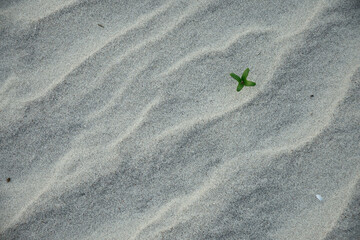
(135, 130)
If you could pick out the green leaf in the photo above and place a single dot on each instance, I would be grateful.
(245, 74)
(239, 87)
(249, 83)
(236, 77)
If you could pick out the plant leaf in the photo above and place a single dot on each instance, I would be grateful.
(245, 74)
(236, 77)
(239, 87)
(249, 83)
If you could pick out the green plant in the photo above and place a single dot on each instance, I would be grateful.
(242, 81)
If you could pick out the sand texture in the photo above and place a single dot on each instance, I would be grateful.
(119, 119)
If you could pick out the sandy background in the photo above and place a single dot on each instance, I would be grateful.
(119, 120)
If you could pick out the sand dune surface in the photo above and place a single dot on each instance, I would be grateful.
(119, 119)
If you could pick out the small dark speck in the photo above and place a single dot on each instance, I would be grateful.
(8, 179)
(311, 95)
(100, 25)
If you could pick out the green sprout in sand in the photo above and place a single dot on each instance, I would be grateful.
(242, 81)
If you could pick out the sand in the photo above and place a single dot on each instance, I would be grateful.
(119, 119)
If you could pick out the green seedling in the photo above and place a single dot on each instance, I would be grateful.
(242, 81)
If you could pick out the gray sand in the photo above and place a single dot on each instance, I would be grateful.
(119, 120)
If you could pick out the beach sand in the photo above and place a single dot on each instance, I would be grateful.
(119, 119)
